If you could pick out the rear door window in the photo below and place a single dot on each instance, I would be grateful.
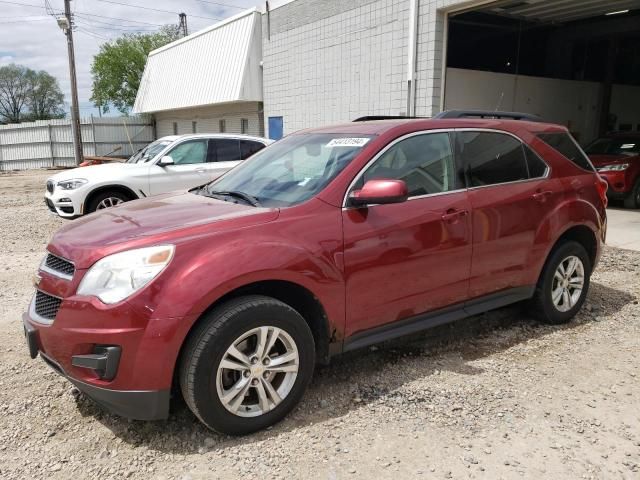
(224, 150)
(491, 158)
(564, 144)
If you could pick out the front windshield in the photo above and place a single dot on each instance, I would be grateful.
(293, 169)
(150, 151)
(615, 146)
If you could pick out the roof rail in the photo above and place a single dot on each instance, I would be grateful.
(369, 118)
(488, 114)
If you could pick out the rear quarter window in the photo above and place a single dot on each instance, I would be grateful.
(565, 145)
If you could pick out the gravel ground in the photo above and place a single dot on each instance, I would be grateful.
(494, 396)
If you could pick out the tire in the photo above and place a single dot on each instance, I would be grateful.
(104, 197)
(564, 308)
(204, 380)
(633, 199)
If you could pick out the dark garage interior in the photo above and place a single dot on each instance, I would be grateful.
(572, 62)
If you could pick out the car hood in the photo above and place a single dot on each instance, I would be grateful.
(99, 172)
(602, 160)
(168, 218)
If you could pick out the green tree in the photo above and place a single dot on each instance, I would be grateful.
(117, 69)
(45, 99)
(14, 92)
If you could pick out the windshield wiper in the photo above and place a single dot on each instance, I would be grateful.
(250, 199)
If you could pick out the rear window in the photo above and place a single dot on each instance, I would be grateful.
(564, 144)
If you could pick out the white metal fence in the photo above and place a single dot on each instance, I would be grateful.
(48, 143)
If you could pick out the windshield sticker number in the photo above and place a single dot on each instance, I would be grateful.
(348, 142)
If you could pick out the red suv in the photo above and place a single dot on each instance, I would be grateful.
(617, 158)
(329, 240)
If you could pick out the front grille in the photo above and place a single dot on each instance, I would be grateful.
(50, 186)
(47, 306)
(59, 265)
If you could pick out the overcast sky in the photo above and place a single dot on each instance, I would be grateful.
(29, 37)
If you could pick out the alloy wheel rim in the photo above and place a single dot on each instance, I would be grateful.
(568, 283)
(257, 371)
(109, 202)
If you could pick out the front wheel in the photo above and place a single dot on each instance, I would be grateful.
(247, 364)
(563, 285)
(106, 199)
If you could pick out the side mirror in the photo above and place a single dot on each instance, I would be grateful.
(380, 192)
(166, 161)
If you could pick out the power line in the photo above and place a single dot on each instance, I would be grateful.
(25, 20)
(154, 9)
(82, 14)
(24, 4)
(93, 21)
(116, 27)
(221, 4)
(25, 16)
(91, 34)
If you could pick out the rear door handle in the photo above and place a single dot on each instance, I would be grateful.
(200, 170)
(541, 196)
(452, 215)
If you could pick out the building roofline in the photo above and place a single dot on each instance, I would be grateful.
(215, 26)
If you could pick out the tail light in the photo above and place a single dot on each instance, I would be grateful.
(602, 186)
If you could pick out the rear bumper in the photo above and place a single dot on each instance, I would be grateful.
(135, 404)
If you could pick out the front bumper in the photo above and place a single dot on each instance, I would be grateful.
(119, 355)
(65, 203)
(135, 404)
(620, 185)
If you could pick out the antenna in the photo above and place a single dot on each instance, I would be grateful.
(183, 24)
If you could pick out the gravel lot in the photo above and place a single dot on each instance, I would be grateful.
(494, 396)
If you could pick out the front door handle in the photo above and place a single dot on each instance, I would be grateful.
(541, 196)
(200, 170)
(452, 215)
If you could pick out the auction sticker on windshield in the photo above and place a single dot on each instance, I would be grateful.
(348, 142)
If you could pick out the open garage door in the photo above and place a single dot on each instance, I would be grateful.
(573, 62)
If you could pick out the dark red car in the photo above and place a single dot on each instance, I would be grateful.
(329, 240)
(617, 159)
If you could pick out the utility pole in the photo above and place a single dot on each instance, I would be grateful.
(183, 24)
(66, 24)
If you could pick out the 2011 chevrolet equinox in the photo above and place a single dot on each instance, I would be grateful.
(329, 240)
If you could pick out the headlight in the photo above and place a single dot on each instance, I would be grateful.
(614, 168)
(120, 275)
(72, 184)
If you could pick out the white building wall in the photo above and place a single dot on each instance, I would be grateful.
(208, 119)
(572, 103)
(332, 61)
(329, 61)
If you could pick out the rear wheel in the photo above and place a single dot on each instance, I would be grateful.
(106, 199)
(633, 199)
(563, 285)
(247, 365)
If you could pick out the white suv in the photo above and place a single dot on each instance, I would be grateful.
(170, 163)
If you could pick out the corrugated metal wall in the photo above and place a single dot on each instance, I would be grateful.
(217, 65)
(48, 143)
